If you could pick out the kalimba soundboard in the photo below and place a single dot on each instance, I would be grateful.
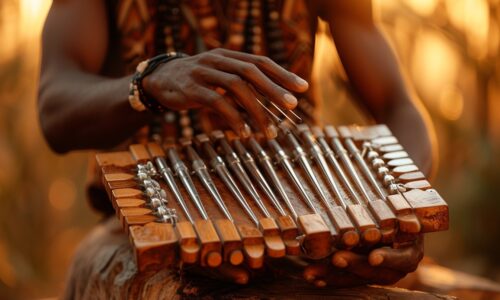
(221, 199)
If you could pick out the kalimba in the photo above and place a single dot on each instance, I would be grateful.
(218, 198)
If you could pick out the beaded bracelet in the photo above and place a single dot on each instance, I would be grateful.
(137, 96)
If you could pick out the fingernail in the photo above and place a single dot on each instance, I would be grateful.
(271, 131)
(245, 131)
(290, 99)
(301, 82)
(339, 262)
(376, 259)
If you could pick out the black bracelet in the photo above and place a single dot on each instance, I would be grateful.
(137, 96)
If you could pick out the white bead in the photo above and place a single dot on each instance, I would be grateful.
(393, 189)
(155, 202)
(388, 179)
(150, 192)
(377, 163)
(382, 171)
(372, 155)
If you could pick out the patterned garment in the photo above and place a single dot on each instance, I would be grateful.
(278, 29)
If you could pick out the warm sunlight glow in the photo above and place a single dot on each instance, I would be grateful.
(33, 13)
(471, 16)
(451, 103)
(422, 7)
(434, 64)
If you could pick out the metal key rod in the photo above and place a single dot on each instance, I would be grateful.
(250, 165)
(330, 157)
(201, 171)
(344, 157)
(168, 176)
(267, 165)
(235, 165)
(284, 161)
(364, 167)
(319, 158)
(182, 172)
(219, 166)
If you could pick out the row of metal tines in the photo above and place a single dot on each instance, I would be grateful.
(353, 211)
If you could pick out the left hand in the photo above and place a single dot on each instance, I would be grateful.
(382, 266)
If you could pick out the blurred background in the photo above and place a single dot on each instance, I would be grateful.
(449, 53)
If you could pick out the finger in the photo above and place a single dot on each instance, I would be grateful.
(219, 104)
(280, 75)
(358, 265)
(243, 95)
(253, 75)
(403, 259)
(322, 275)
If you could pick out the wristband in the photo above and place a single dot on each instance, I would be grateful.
(137, 97)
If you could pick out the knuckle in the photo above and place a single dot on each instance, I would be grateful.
(234, 81)
(263, 60)
(248, 68)
(207, 58)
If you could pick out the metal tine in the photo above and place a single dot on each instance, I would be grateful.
(277, 118)
(220, 167)
(318, 156)
(168, 176)
(364, 167)
(201, 171)
(234, 163)
(266, 163)
(286, 164)
(182, 172)
(330, 156)
(342, 153)
(252, 168)
(285, 115)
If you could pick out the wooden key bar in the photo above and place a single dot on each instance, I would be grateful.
(412, 176)
(231, 241)
(318, 240)
(272, 239)
(289, 233)
(188, 242)
(154, 245)
(395, 155)
(407, 220)
(120, 180)
(253, 245)
(430, 208)
(211, 248)
(365, 224)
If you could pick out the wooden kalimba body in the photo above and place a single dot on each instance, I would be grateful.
(218, 199)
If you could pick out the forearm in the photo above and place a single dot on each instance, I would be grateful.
(373, 70)
(84, 111)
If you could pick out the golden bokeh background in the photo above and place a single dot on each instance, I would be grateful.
(449, 53)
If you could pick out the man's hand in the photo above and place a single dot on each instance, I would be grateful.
(191, 82)
(381, 266)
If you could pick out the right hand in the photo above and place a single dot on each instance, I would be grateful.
(190, 82)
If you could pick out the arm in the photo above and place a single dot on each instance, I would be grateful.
(373, 70)
(79, 109)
